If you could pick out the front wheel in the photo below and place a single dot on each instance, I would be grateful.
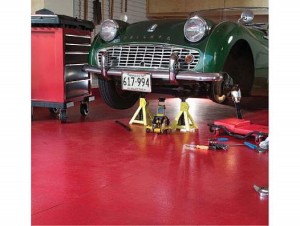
(114, 96)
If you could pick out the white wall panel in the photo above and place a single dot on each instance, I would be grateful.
(136, 9)
(37, 5)
(60, 7)
(64, 7)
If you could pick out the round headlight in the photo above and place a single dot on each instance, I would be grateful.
(108, 30)
(195, 29)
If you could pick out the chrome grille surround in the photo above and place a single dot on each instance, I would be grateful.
(147, 56)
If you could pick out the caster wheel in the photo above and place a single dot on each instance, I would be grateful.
(63, 115)
(84, 109)
(216, 132)
(148, 130)
(54, 111)
(258, 139)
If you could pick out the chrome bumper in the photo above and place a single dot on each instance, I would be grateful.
(181, 75)
(173, 74)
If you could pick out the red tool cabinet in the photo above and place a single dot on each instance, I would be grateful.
(59, 48)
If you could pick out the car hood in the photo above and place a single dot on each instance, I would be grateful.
(154, 31)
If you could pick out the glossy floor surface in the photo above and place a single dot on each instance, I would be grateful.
(93, 171)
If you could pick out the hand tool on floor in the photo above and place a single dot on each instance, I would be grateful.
(195, 146)
(211, 146)
(262, 191)
(221, 139)
(218, 146)
(123, 125)
(254, 147)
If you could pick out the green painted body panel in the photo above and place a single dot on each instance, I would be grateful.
(224, 36)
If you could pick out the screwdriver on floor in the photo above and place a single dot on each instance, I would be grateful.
(196, 146)
(254, 147)
(205, 147)
(212, 145)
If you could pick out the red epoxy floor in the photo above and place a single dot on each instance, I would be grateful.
(93, 171)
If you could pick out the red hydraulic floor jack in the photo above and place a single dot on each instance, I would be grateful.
(239, 127)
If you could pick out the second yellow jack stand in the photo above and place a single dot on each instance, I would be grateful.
(184, 120)
(142, 115)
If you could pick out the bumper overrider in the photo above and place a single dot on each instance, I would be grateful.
(173, 74)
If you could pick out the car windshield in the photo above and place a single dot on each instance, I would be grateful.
(233, 14)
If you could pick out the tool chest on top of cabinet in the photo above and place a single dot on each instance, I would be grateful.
(59, 48)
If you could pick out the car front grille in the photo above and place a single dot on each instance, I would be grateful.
(147, 56)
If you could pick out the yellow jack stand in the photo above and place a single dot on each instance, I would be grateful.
(143, 113)
(184, 120)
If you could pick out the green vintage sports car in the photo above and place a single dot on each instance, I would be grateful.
(201, 56)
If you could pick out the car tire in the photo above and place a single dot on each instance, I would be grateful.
(113, 96)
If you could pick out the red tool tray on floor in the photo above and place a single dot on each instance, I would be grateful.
(240, 128)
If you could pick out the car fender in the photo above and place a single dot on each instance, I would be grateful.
(219, 43)
(92, 53)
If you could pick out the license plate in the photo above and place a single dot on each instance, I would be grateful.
(133, 81)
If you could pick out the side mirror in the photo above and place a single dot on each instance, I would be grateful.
(247, 17)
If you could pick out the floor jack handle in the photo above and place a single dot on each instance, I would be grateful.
(236, 97)
(238, 110)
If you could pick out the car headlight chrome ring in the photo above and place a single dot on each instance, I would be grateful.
(195, 29)
(108, 30)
